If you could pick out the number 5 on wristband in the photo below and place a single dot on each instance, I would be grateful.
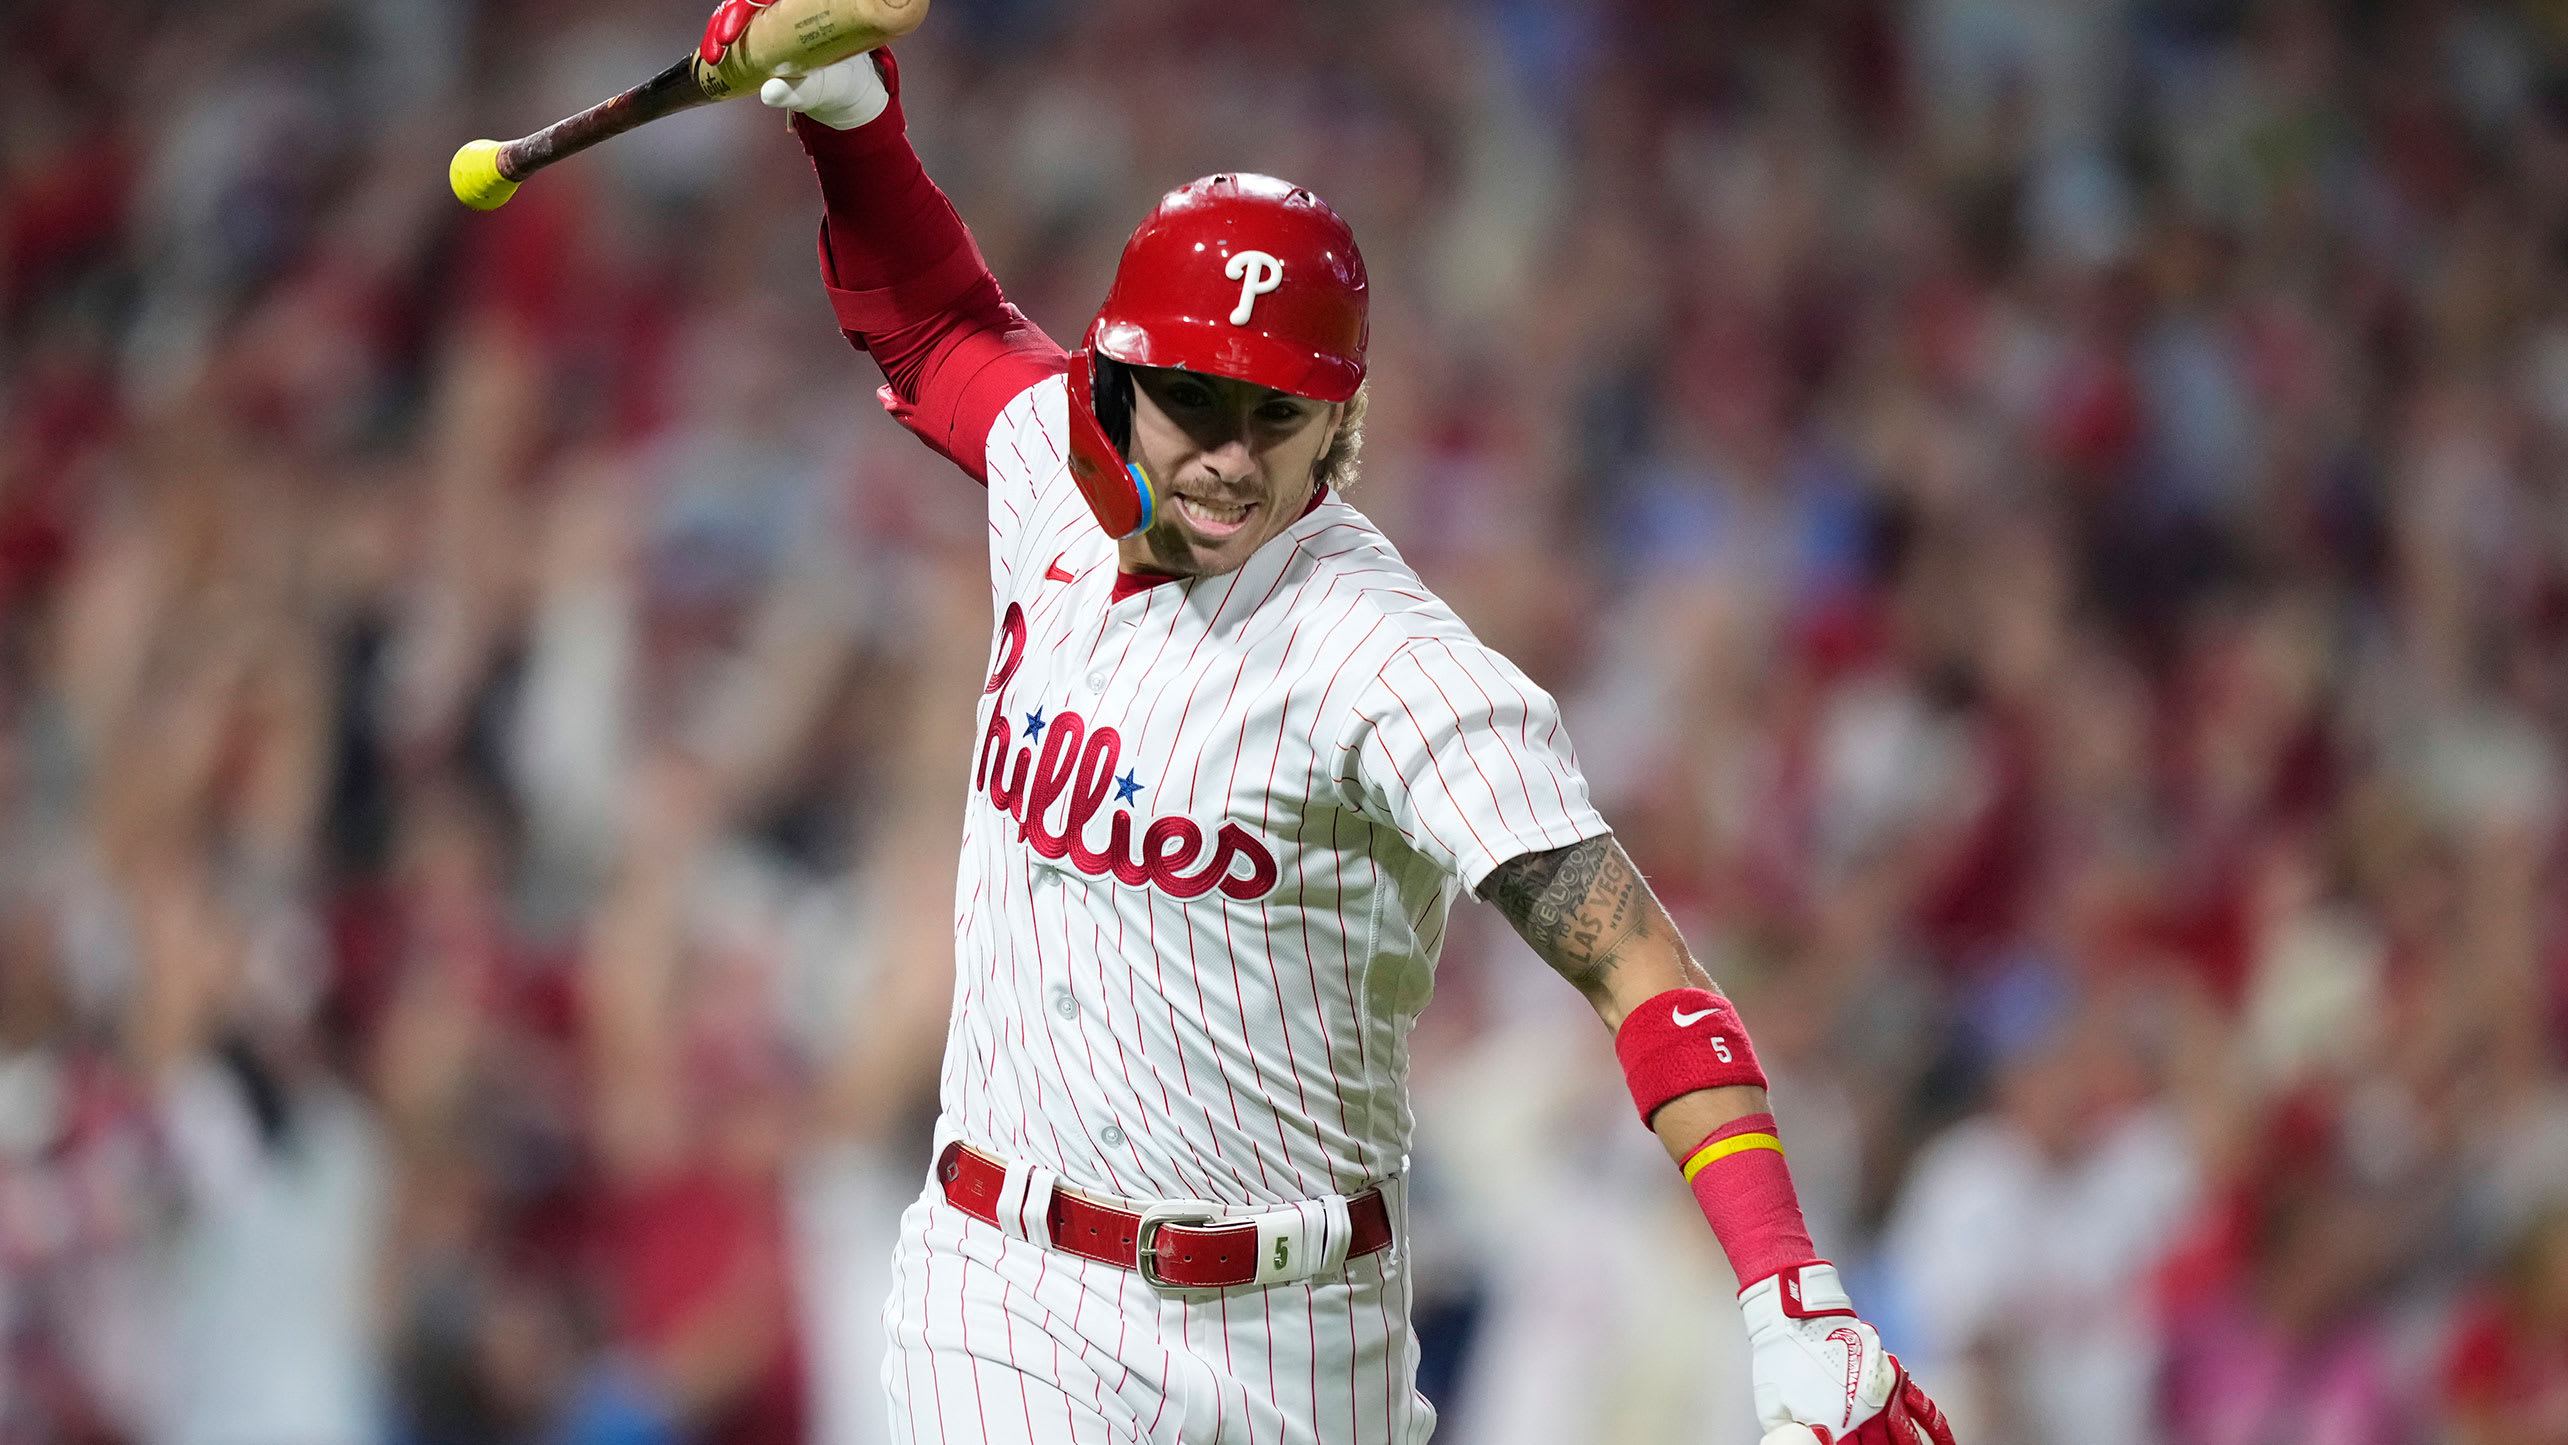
(1681, 1041)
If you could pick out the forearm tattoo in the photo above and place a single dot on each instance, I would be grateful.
(1578, 906)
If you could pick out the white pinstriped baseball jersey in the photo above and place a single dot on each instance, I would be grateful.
(1213, 832)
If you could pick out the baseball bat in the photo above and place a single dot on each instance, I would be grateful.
(782, 37)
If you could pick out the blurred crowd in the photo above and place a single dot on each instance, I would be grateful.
(2049, 519)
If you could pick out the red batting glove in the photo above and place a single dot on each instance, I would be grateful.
(1820, 1374)
(729, 19)
(1909, 1419)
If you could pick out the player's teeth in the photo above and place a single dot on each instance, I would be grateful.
(1213, 512)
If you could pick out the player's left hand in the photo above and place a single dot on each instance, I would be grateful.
(1909, 1419)
(1820, 1374)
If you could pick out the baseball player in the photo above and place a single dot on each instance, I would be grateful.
(1235, 762)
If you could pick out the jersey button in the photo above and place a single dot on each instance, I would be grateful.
(1063, 1004)
(1111, 1137)
(1097, 681)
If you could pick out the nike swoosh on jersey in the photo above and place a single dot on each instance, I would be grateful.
(1054, 573)
(1688, 1020)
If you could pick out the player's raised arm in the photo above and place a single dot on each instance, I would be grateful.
(1817, 1368)
(904, 277)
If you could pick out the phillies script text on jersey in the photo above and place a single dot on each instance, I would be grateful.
(1077, 766)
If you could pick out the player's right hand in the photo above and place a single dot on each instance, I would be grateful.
(729, 19)
(841, 96)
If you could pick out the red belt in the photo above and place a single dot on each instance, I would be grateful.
(1177, 1255)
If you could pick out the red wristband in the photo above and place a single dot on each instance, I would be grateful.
(1738, 1177)
(1680, 1041)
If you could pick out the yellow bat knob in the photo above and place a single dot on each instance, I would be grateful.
(474, 173)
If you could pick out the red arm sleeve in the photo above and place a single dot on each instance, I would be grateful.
(910, 287)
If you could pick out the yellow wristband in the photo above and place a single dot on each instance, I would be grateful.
(1724, 1148)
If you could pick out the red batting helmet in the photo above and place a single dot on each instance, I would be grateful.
(1243, 276)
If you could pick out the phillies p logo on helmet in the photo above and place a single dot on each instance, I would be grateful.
(1257, 273)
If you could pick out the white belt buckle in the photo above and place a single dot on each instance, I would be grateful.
(1189, 1213)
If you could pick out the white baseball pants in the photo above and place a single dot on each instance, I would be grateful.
(1000, 1340)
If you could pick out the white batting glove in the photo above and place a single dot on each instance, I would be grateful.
(842, 96)
(1819, 1372)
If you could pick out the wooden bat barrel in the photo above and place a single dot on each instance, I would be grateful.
(794, 35)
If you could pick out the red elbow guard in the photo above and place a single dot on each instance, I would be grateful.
(1680, 1041)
